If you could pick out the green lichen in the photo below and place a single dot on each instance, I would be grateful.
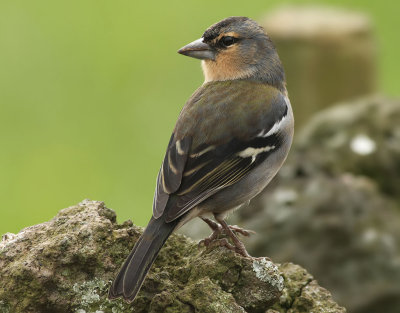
(90, 297)
(268, 272)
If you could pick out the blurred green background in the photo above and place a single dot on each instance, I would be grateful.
(90, 91)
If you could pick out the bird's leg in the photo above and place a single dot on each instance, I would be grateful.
(238, 245)
(242, 231)
(238, 230)
(216, 228)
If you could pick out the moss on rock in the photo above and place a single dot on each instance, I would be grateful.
(67, 264)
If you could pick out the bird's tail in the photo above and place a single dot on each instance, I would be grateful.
(134, 270)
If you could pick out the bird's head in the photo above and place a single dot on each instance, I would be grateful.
(237, 48)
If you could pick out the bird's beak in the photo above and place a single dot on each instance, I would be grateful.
(199, 50)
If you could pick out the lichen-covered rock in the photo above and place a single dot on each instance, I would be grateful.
(66, 265)
(303, 294)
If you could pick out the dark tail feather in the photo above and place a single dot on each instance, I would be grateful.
(134, 270)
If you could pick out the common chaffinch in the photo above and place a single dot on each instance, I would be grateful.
(231, 138)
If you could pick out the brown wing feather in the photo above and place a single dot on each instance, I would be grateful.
(170, 175)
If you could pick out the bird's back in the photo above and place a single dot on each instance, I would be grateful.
(242, 107)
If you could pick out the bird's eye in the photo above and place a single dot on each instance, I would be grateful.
(228, 40)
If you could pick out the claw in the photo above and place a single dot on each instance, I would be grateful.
(239, 246)
(206, 241)
(223, 242)
(230, 231)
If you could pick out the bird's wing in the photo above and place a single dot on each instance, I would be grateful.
(170, 174)
(195, 168)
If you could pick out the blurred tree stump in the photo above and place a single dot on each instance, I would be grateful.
(329, 55)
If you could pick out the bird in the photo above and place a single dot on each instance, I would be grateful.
(230, 139)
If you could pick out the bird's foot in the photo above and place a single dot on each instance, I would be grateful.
(217, 229)
(230, 231)
(208, 240)
(223, 242)
(239, 246)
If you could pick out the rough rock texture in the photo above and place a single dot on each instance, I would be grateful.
(334, 206)
(66, 265)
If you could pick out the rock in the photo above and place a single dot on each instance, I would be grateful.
(66, 265)
(329, 55)
(361, 137)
